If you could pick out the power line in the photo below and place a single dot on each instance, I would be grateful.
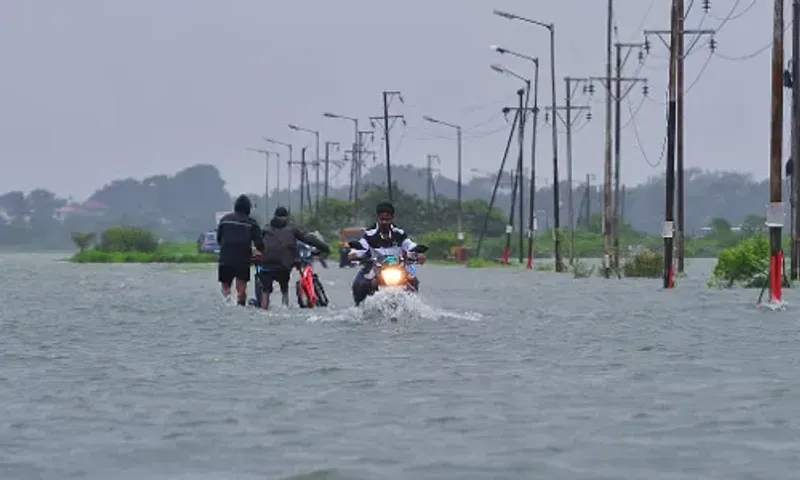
(731, 15)
(639, 140)
(699, 74)
(748, 56)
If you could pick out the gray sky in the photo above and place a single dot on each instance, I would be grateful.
(95, 90)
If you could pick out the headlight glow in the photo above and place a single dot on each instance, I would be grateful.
(392, 276)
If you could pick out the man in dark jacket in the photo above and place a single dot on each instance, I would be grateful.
(280, 254)
(236, 235)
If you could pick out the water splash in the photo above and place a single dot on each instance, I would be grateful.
(390, 305)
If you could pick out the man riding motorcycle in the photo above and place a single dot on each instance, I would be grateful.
(384, 239)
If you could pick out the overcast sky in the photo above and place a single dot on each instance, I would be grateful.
(96, 90)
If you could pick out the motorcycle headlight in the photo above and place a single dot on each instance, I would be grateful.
(392, 276)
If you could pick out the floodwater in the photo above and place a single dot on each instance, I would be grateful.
(142, 372)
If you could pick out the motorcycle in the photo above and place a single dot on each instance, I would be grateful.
(389, 270)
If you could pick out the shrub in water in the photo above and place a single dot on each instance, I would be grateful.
(746, 264)
(128, 239)
(440, 244)
(644, 264)
(476, 262)
(580, 269)
(83, 240)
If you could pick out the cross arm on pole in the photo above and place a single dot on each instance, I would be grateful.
(563, 108)
(664, 36)
(606, 82)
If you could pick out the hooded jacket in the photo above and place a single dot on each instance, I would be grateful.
(237, 233)
(280, 240)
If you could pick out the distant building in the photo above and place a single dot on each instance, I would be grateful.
(91, 208)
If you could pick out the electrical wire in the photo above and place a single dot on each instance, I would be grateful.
(688, 89)
(633, 114)
(753, 54)
(731, 15)
(746, 57)
(639, 140)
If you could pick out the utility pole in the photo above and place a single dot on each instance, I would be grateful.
(571, 84)
(518, 181)
(588, 201)
(668, 230)
(569, 121)
(289, 166)
(430, 196)
(607, 163)
(775, 211)
(795, 194)
(303, 180)
(328, 146)
(681, 53)
(266, 154)
(387, 96)
(619, 96)
(358, 162)
(612, 235)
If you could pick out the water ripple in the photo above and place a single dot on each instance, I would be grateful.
(488, 374)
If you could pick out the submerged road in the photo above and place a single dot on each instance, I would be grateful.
(134, 372)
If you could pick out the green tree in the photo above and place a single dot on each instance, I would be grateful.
(83, 240)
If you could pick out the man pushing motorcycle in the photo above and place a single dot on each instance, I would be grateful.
(385, 239)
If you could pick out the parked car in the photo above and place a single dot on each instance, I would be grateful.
(207, 243)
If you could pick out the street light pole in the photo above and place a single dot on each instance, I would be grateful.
(459, 227)
(523, 109)
(266, 154)
(327, 165)
(551, 27)
(289, 165)
(532, 190)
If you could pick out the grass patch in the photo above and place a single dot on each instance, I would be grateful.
(479, 262)
(178, 253)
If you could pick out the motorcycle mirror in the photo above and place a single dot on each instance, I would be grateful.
(355, 245)
(420, 249)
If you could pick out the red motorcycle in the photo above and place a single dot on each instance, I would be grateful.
(310, 292)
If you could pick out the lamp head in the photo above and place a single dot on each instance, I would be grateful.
(503, 14)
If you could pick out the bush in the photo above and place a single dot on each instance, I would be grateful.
(581, 269)
(476, 262)
(83, 240)
(440, 244)
(128, 239)
(644, 264)
(746, 264)
(96, 256)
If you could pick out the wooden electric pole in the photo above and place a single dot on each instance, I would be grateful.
(775, 212)
(387, 97)
(569, 121)
(618, 95)
(795, 194)
(668, 230)
(430, 192)
(681, 53)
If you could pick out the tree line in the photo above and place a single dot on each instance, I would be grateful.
(179, 207)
